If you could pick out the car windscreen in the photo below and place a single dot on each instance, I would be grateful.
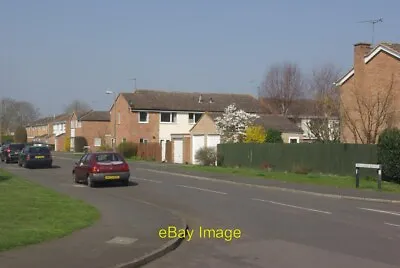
(108, 157)
(17, 146)
(39, 150)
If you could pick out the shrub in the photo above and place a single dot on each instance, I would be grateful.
(80, 143)
(105, 148)
(7, 138)
(389, 153)
(67, 144)
(255, 134)
(207, 156)
(128, 149)
(273, 136)
(20, 135)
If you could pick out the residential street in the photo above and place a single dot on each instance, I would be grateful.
(279, 229)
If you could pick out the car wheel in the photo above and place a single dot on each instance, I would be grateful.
(74, 178)
(19, 163)
(25, 165)
(90, 183)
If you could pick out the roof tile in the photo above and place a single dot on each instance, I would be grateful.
(183, 101)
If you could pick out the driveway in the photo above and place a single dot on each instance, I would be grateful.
(278, 229)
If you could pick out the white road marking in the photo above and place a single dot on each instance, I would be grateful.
(142, 179)
(381, 211)
(292, 206)
(392, 224)
(200, 189)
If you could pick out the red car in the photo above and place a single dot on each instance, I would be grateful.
(98, 167)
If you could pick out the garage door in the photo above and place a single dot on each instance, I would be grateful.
(178, 151)
(198, 142)
(213, 140)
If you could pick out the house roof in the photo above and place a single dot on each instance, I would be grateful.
(389, 48)
(41, 121)
(61, 117)
(299, 108)
(96, 116)
(184, 101)
(270, 121)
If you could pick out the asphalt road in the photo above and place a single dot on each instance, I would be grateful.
(278, 229)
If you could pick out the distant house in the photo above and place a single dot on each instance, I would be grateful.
(375, 70)
(92, 125)
(302, 112)
(155, 116)
(40, 130)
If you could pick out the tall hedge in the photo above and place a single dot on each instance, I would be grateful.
(20, 135)
(80, 143)
(389, 153)
(273, 136)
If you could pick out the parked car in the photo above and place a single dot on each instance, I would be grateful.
(35, 156)
(97, 167)
(10, 152)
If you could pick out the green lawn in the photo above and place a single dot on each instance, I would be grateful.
(318, 179)
(30, 213)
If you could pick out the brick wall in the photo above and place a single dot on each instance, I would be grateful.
(91, 130)
(368, 79)
(128, 126)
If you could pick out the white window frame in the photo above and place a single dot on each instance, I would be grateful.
(96, 142)
(147, 118)
(143, 140)
(193, 120)
(119, 118)
(172, 118)
(294, 138)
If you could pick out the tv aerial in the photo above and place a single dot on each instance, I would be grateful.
(373, 22)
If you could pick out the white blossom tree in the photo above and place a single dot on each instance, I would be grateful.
(233, 123)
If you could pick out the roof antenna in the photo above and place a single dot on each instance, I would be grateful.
(373, 22)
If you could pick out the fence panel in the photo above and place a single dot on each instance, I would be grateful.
(326, 158)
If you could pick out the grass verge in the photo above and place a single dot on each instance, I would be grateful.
(30, 213)
(367, 183)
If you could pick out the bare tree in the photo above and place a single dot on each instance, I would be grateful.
(283, 84)
(324, 125)
(16, 113)
(368, 111)
(77, 106)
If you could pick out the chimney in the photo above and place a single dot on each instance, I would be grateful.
(360, 51)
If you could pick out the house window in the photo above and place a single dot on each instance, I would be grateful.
(123, 140)
(294, 140)
(143, 117)
(194, 117)
(167, 117)
(142, 140)
(79, 124)
(119, 118)
(97, 142)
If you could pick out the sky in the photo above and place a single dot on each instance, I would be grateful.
(53, 51)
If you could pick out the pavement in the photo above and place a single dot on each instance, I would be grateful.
(127, 230)
(279, 229)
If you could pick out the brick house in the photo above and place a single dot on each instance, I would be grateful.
(40, 130)
(375, 73)
(153, 116)
(94, 126)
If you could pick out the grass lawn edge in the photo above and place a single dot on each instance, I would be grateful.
(35, 214)
(334, 181)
